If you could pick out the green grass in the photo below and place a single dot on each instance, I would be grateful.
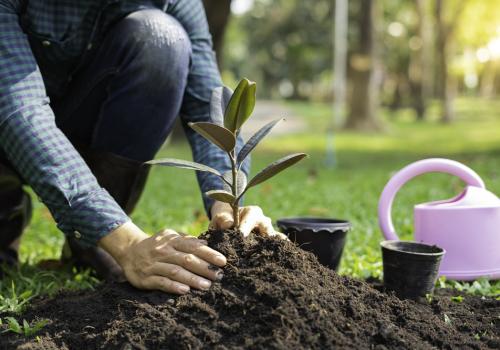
(350, 190)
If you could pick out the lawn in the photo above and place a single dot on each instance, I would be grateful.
(349, 190)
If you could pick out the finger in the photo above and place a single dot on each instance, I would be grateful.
(265, 226)
(179, 274)
(222, 221)
(200, 250)
(196, 265)
(164, 284)
(280, 235)
(249, 219)
(166, 233)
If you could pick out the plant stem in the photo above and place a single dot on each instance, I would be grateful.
(235, 206)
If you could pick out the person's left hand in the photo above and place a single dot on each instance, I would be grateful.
(251, 218)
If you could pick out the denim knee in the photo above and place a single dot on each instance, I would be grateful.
(157, 44)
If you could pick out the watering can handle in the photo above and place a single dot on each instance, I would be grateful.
(469, 176)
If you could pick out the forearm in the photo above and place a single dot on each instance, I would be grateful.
(53, 168)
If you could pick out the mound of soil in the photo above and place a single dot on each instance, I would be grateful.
(273, 296)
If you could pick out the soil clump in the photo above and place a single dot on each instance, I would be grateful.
(273, 296)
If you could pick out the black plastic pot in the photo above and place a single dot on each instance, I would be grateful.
(321, 236)
(410, 268)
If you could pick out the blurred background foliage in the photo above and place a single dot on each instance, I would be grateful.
(415, 50)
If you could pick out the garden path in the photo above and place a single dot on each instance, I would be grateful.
(266, 111)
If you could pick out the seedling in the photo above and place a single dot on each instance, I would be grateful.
(230, 111)
(25, 329)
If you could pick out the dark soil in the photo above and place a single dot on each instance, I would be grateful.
(273, 296)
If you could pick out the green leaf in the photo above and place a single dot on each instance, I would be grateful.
(221, 196)
(255, 139)
(13, 325)
(275, 168)
(231, 112)
(216, 134)
(179, 163)
(218, 103)
(240, 106)
(241, 181)
(247, 104)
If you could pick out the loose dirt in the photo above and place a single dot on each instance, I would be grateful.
(273, 296)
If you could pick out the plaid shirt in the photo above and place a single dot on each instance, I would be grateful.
(36, 35)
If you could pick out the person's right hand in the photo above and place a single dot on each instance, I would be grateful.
(166, 261)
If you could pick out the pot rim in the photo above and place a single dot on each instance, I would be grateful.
(315, 224)
(390, 246)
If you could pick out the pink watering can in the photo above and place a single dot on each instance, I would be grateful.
(467, 226)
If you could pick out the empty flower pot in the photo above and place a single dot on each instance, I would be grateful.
(321, 236)
(410, 268)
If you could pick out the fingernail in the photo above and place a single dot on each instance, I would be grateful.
(219, 275)
(204, 284)
(220, 259)
(213, 267)
(183, 289)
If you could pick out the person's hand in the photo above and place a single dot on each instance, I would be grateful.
(166, 261)
(251, 218)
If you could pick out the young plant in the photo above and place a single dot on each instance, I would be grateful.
(230, 111)
(25, 329)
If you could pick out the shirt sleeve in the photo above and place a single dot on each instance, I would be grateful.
(38, 150)
(203, 78)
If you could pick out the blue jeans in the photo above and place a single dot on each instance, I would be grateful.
(126, 98)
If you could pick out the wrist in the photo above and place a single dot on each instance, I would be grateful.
(120, 240)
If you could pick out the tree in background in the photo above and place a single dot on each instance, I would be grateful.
(416, 52)
(419, 67)
(444, 36)
(365, 70)
(285, 45)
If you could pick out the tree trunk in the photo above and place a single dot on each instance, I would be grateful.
(365, 75)
(442, 53)
(218, 12)
(417, 66)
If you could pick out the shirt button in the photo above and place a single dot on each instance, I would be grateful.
(46, 43)
(77, 234)
(89, 46)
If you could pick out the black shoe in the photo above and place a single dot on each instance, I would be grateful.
(9, 259)
(15, 213)
(96, 258)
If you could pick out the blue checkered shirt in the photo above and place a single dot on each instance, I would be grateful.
(38, 150)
